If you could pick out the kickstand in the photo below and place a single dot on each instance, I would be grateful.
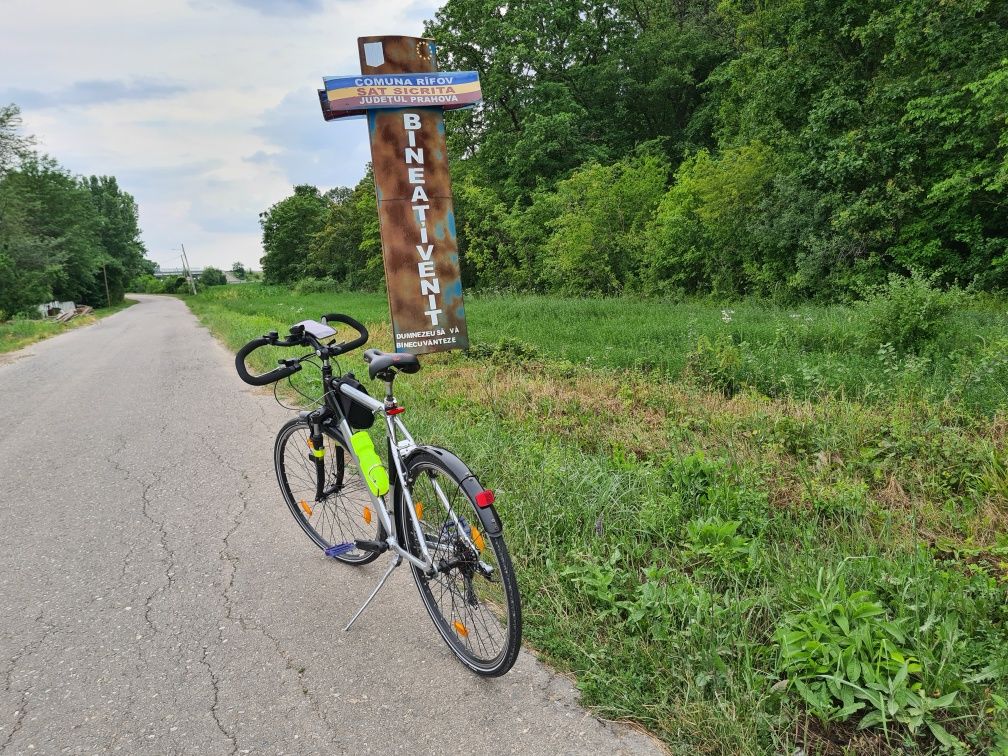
(396, 561)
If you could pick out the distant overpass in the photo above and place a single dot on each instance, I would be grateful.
(229, 276)
(176, 272)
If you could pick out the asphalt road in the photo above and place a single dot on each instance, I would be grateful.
(156, 596)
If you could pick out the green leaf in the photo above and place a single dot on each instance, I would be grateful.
(853, 670)
(942, 735)
(846, 711)
(871, 719)
(944, 701)
(901, 675)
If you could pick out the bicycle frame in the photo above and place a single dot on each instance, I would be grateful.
(400, 445)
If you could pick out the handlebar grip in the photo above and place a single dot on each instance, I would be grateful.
(361, 340)
(265, 378)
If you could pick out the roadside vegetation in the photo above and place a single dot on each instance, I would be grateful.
(749, 528)
(62, 236)
(794, 150)
(20, 332)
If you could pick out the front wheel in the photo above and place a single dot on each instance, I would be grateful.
(342, 512)
(472, 595)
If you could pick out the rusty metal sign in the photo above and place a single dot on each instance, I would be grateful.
(412, 182)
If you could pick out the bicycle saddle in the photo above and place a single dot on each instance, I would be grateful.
(384, 365)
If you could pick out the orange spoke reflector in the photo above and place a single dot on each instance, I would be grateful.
(306, 508)
(419, 510)
(367, 515)
(477, 539)
(460, 629)
(308, 441)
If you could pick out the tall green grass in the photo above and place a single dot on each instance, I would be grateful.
(718, 544)
(804, 351)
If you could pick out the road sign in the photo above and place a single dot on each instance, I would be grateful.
(404, 97)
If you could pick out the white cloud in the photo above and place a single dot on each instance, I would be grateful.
(205, 110)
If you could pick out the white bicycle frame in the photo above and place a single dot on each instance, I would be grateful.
(401, 444)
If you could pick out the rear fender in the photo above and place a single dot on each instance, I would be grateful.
(470, 484)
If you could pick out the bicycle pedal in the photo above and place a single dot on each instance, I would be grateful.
(372, 547)
(339, 549)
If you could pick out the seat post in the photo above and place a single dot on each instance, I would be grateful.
(389, 397)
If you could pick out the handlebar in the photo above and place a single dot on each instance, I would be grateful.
(361, 340)
(299, 337)
(265, 378)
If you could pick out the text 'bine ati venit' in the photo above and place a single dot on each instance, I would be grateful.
(430, 285)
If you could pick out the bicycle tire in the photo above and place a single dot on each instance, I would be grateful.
(469, 608)
(339, 517)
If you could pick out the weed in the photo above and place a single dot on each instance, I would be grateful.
(506, 351)
(907, 313)
(717, 541)
(718, 364)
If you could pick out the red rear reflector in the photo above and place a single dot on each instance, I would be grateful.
(485, 498)
(395, 411)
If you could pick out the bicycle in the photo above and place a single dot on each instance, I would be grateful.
(431, 511)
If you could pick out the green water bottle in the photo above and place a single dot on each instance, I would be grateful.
(370, 463)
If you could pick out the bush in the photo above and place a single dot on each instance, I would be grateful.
(212, 277)
(907, 312)
(325, 285)
(718, 364)
(505, 352)
(147, 284)
(596, 244)
(178, 285)
(702, 234)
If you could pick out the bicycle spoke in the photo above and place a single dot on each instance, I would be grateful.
(336, 517)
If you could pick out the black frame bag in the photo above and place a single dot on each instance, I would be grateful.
(359, 416)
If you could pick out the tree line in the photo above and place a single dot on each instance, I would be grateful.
(62, 236)
(797, 149)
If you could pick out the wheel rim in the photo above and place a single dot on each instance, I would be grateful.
(340, 515)
(468, 600)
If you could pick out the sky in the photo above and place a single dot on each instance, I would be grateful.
(205, 110)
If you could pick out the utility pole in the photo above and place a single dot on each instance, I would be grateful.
(192, 284)
(107, 297)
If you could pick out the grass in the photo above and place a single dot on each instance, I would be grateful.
(18, 333)
(746, 529)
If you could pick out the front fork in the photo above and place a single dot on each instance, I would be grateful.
(317, 445)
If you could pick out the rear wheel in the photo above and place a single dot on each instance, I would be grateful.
(343, 513)
(472, 596)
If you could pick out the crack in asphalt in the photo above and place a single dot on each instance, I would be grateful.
(246, 624)
(292, 666)
(160, 527)
(26, 651)
(225, 554)
(170, 562)
(215, 685)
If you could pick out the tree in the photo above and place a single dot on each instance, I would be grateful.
(118, 234)
(347, 248)
(288, 227)
(596, 240)
(60, 235)
(13, 145)
(239, 271)
(212, 277)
